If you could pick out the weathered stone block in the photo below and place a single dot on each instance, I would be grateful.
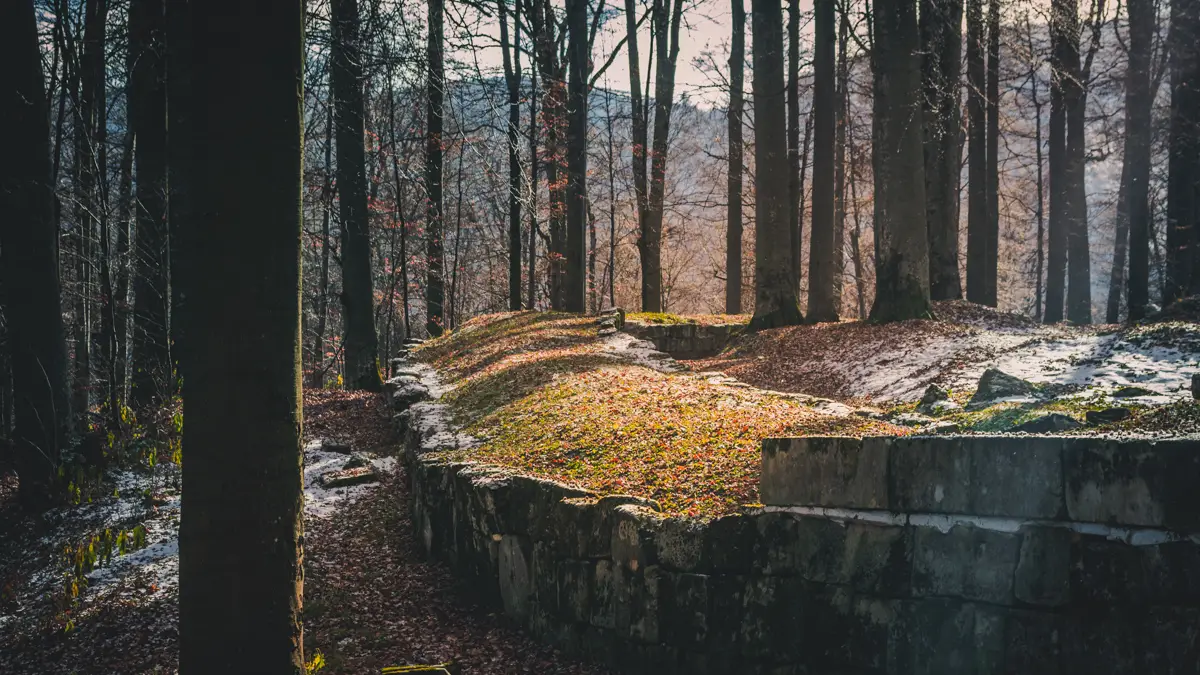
(680, 544)
(1102, 640)
(645, 592)
(730, 544)
(806, 546)
(878, 559)
(545, 576)
(940, 636)
(683, 608)
(609, 589)
(1147, 483)
(1172, 641)
(1043, 566)
(965, 562)
(1033, 643)
(633, 533)
(847, 633)
(833, 471)
(516, 579)
(575, 589)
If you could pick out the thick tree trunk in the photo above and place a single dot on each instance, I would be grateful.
(241, 538)
(435, 88)
(531, 299)
(179, 166)
(1056, 245)
(993, 150)
(1116, 279)
(575, 289)
(666, 33)
(554, 117)
(28, 265)
(902, 262)
(152, 375)
(361, 344)
(774, 287)
(941, 40)
(839, 171)
(648, 253)
(1139, 102)
(795, 195)
(1183, 197)
(512, 78)
(822, 305)
(322, 300)
(737, 104)
(978, 219)
(1079, 277)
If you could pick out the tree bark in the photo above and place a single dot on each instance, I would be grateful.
(1056, 245)
(941, 39)
(361, 343)
(512, 78)
(322, 300)
(737, 104)
(774, 286)
(795, 196)
(1079, 278)
(902, 263)
(241, 541)
(28, 263)
(1139, 101)
(435, 316)
(822, 305)
(1183, 198)
(179, 166)
(978, 218)
(152, 375)
(577, 126)
(991, 271)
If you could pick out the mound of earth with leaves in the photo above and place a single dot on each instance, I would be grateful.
(93, 587)
(546, 395)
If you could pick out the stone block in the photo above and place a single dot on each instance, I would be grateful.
(516, 579)
(1106, 572)
(966, 562)
(831, 471)
(1146, 483)
(545, 576)
(633, 534)
(929, 475)
(683, 608)
(1043, 566)
(1172, 641)
(1033, 643)
(847, 632)
(679, 543)
(644, 609)
(810, 547)
(730, 544)
(609, 591)
(941, 636)
(1101, 640)
(575, 578)
(878, 559)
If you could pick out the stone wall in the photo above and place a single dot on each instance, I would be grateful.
(684, 340)
(882, 556)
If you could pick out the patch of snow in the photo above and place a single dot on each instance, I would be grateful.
(322, 502)
(640, 352)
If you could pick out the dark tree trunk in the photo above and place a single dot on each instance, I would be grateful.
(839, 158)
(361, 344)
(1056, 245)
(1079, 278)
(28, 266)
(241, 542)
(774, 286)
(1183, 198)
(512, 77)
(152, 374)
(575, 289)
(1041, 201)
(822, 305)
(531, 300)
(991, 271)
(322, 300)
(400, 214)
(666, 33)
(554, 116)
(941, 40)
(795, 195)
(648, 253)
(435, 88)
(978, 219)
(179, 166)
(737, 105)
(123, 281)
(902, 262)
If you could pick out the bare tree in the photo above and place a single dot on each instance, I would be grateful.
(941, 40)
(733, 232)
(822, 305)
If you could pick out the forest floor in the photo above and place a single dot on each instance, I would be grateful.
(370, 598)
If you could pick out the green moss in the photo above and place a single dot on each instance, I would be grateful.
(659, 318)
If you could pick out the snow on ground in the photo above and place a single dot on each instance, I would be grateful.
(640, 352)
(322, 502)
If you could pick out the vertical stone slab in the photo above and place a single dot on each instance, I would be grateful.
(939, 636)
(1143, 483)
(516, 581)
(1016, 477)
(966, 562)
(1044, 566)
(827, 471)
(930, 475)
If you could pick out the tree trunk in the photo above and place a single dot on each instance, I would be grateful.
(991, 271)
(648, 253)
(902, 263)
(941, 39)
(241, 544)
(1056, 245)
(737, 104)
(577, 125)
(399, 199)
(1183, 198)
(978, 219)
(795, 195)
(1116, 279)
(1139, 101)
(774, 285)
(322, 300)
(1079, 278)
(179, 166)
(152, 376)
(554, 116)
(361, 344)
(35, 336)
(435, 316)
(1041, 201)
(839, 160)
(531, 300)
(512, 78)
(822, 305)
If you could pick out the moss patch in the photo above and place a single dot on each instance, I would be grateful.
(700, 319)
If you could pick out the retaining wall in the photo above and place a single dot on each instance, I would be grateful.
(884, 556)
(684, 340)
